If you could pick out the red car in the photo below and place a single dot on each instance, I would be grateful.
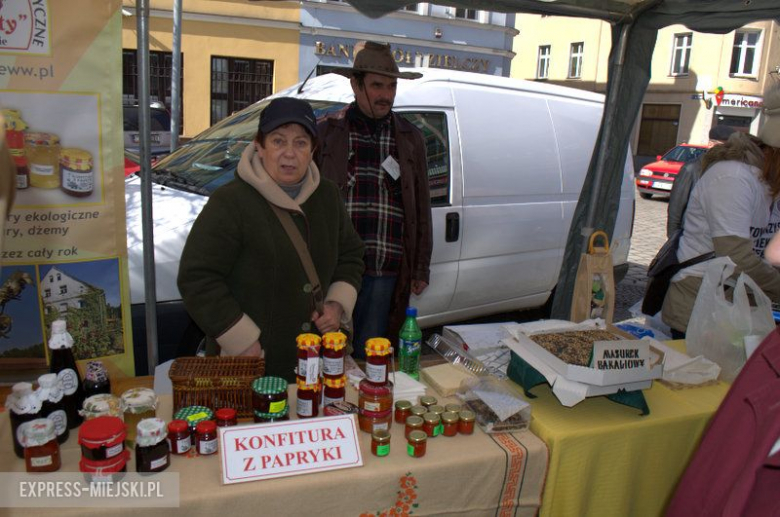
(657, 177)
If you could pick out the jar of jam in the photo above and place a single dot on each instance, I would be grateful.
(96, 379)
(269, 395)
(308, 358)
(413, 423)
(76, 175)
(41, 449)
(454, 408)
(334, 346)
(380, 443)
(206, 437)
(226, 417)
(103, 404)
(371, 421)
(194, 415)
(140, 403)
(152, 453)
(418, 411)
(308, 404)
(466, 422)
(43, 157)
(417, 443)
(379, 354)
(375, 397)
(104, 471)
(402, 408)
(102, 438)
(22, 169)
(427, 401)
(335, 389)
(431, 423)
(265, 418)
(449, 422)
(179, 437)
(436, 408)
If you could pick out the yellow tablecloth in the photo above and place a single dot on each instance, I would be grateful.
(477, 475)
(606, 459)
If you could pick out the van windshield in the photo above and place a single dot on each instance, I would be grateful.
(209, 160)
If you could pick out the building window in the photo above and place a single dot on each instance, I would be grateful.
(160, 66)
(744, 56)
(47, 293)
(543, 62)
(236, 83)
(63, 289)
(681, 53)
(59, 277)
(467, 14)
(575, 60)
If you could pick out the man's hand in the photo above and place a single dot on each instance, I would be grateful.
(254, 350)
(418, 286)
(330, 319)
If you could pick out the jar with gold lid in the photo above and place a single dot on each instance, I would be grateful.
(78, 179)
(43, 157)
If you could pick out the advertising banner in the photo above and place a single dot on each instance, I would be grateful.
(64, 243)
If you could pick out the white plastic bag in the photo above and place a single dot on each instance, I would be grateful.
(718, 327)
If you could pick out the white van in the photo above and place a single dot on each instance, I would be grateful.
(506, 162)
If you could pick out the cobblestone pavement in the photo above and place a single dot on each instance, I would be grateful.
(648, 237)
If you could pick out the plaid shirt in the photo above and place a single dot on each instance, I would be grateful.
(373, 197)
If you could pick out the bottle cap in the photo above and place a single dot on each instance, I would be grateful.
(411, 311)
(178, 426)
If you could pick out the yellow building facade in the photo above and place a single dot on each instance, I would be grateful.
(698, 80)
(225, 45)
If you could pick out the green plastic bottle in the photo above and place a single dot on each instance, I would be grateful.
(409, 344)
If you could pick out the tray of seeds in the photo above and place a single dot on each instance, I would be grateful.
(573, 346)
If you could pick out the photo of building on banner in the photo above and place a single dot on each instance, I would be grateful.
(63, 249)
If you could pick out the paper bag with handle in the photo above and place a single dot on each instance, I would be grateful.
(594, 287)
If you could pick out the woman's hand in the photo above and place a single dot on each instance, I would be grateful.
(330, 319)
(254, 350)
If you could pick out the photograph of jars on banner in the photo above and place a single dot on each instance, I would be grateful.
(57, 158)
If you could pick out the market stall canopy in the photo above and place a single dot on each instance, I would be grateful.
(635, 25)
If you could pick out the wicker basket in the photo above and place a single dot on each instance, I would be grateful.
(215, 382)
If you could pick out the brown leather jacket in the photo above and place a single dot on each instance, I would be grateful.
(331, 157)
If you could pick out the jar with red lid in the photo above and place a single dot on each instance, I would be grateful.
(449, 422)
(417, 444)
(402, 408)
(335, 390)
(371, 421)
(102, 438)
(413, 423)
(466, 422)
(375, 397)
(226, 417)
(334, 346)
(308, 358)
(308, 403)
(41, 449)
(105, 471)
(380, 443)
(379, 355)
(179, 437)
(152, 453)
(206, 437)
(431, 423)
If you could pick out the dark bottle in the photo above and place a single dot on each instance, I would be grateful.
(64, 365)
(96, 379)
(24, 406)
(52, 405)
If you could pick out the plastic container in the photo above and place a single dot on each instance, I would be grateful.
(410, 345)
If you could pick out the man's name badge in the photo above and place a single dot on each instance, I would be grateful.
(392, 167)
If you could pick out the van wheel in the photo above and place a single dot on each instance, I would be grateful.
(191, 342)
(645, 195)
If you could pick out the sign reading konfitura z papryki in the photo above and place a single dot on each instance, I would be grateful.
(264, 451)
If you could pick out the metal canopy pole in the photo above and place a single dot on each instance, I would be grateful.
(145, 136)
(176, 76)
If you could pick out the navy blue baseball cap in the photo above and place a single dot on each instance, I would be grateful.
(287, 110)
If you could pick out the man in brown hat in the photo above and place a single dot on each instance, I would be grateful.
(377, 158)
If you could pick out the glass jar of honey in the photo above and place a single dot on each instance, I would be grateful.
(417, 443)
(334, 346)
(140, 403)
(43, 158)
(41, 449)
(77, 177)
(379, 354)
(308, 358)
